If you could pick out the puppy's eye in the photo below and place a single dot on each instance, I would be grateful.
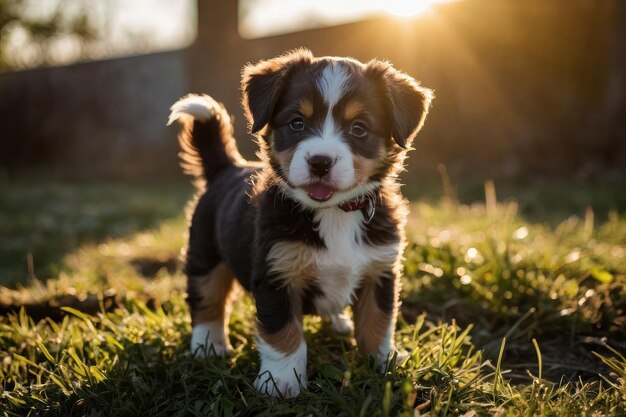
(297, 124)
(358, 130)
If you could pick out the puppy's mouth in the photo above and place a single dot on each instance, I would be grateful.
(319, 191)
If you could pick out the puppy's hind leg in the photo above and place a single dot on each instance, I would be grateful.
(209, 301)
(210, 282)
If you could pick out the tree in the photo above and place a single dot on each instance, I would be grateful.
(31, 32)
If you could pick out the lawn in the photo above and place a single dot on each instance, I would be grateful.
(510, 308)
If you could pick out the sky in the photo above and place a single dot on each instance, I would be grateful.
(169, 23)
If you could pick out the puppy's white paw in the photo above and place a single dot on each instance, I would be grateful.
(281, 374)
(341, 323)
(202, 351)
(209, 339)
(383, 359)
(277, 383)
(402, 355)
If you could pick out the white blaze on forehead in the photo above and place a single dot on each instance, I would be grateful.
(333, 83)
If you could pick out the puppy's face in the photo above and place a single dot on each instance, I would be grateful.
(332, 128)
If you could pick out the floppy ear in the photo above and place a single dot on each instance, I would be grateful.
(262, 83)
(409, 102)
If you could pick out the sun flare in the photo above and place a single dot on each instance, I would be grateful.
(407, 8)
(260, 18)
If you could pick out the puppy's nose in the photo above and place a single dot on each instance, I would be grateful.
(320, 164)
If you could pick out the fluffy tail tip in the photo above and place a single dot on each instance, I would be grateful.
(195, 106)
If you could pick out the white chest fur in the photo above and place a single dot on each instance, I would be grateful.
(340, 266)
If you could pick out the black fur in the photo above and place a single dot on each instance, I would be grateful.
(409, 101)
(385, 294)
(262, 86)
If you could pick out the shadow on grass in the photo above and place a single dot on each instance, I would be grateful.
(47, 220)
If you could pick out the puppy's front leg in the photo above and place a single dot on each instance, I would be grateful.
(375, 313)
(280, 342)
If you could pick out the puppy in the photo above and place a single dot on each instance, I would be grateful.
(318, 224)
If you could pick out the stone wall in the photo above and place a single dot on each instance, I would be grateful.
(98, 119)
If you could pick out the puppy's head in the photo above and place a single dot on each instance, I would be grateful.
(332, 128)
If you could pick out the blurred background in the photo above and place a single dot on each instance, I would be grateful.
(525, 89)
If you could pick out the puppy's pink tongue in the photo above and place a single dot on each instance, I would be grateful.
(319, 191)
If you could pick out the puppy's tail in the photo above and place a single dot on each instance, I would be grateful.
(206, 138)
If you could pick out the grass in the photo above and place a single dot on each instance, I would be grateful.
(502, 315)
(52, 219)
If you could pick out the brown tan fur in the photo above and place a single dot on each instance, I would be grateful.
(353, 109)
(216, 289)
(287, 339)
(371, 324)
(306, 108)
(292, 261)
(284, 158)
(365, 168)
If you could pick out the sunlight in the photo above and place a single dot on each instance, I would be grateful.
(259, 18)
(408, 8)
